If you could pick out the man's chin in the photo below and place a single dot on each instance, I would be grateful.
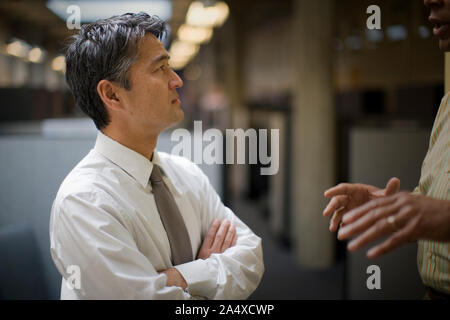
(178, 117)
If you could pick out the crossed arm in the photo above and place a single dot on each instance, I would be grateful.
(368, 213)
(220, 236)
(87, 231)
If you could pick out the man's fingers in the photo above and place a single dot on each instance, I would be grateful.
(220, 235)
(336, 218)
(368, 219)
(381, 228)
(336, 203)
(360, 211)
(229, 238)
(404, 225)
(234, 240)
(396, 240)
(340, 189)
(211, 234)
(392, 186)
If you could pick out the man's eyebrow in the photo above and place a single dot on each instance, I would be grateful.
(160, 58)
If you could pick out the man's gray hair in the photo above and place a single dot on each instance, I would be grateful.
(106, 49)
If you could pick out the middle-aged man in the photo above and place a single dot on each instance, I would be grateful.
(424, 215)
(129, 222)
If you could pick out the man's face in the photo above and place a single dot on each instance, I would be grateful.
(440, 18)
(152, 103)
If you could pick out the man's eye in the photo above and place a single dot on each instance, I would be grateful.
(163, 67)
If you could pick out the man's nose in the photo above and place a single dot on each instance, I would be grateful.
(175, 82)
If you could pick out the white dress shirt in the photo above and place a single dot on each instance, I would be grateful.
(104, 220)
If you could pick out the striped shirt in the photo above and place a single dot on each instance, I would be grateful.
(433, 258)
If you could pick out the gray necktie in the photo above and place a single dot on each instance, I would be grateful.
(180, 244)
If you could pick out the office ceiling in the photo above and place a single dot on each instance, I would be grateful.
(32, 21)
(31, 18)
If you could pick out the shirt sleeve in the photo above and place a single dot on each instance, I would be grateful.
(86, 231)
(233, 274)
(438, 123)
(416, 191)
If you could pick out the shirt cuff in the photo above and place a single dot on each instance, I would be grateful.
(200, 281)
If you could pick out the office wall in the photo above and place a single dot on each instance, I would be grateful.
(32, 169)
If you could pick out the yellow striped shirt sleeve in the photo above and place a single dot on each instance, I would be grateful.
(433, 258)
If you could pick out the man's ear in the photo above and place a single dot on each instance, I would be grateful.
(109, 93)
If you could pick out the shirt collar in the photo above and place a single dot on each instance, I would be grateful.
(135, 164)
(132, 162)
(173, 184)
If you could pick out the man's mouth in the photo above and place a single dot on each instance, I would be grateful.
(176, 100)
(441, 28)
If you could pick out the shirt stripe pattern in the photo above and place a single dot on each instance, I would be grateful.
(433, 258)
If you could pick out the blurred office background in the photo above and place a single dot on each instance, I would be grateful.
(351, 104)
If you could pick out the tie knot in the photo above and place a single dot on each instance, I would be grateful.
(156, 175)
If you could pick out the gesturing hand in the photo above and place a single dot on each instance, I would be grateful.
(347, 196)
(220, 236)
(405, 216)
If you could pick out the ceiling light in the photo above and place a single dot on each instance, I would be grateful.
(178, 64)
(181, 53)
(374, 36)
(397, 32)
(36, 55)
(192, 34)
(222, 12)
(424, 32)
(17, 48)
(183, 49)
(93, 10)
(211, 16)
(59, 64)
